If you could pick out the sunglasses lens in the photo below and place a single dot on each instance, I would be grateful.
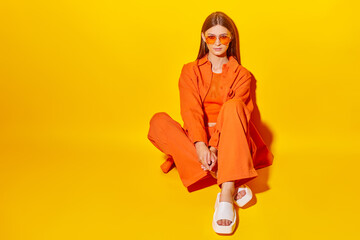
(223, 39)
(210, 39)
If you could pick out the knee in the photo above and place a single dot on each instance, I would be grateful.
(158, 118)
(156, 121)
(234, 103)
(234, 106)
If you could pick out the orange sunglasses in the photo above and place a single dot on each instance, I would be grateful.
(224, 39)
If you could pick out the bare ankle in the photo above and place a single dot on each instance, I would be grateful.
(228, 187)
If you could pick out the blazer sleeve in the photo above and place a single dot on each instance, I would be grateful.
(191, 106)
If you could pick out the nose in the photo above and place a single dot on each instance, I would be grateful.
(217, 42)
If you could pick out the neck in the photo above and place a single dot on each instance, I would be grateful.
(217, 61)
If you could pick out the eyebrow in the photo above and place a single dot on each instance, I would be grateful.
(219, 34)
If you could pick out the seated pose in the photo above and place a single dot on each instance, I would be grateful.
(218, 143)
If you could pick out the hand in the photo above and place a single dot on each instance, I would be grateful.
(213, 157)
(204, 155)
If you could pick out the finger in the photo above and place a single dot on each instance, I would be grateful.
(209, 161)
(212, 162)
(215, 156)
(203, 163)
(215, 160)
(215, 153)
(212, 158)
(206, 165)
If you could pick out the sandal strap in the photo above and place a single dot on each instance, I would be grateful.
(242, 187)
(246, 198)
(225, 211)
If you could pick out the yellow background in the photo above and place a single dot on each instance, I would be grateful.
(80, 81)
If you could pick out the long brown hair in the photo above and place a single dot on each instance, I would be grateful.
(220, 18)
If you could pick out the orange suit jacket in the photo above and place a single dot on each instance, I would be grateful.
(194, 83)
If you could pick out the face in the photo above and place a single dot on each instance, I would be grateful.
(218, 33)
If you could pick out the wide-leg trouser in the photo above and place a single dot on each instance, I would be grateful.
(234, 157)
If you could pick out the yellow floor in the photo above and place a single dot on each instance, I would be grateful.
(73, 190)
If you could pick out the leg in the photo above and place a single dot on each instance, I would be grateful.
(235, 162)
(170, 138)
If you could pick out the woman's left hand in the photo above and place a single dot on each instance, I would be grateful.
(213, 157)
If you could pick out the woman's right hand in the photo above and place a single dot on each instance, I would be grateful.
(204, 154)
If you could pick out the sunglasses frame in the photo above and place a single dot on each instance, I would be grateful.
(218, 37)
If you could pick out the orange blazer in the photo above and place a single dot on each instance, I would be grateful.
(194, 83)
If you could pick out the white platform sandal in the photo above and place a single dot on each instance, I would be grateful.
(224, 210)
(246, 198)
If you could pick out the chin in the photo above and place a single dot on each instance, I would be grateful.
(219, 53)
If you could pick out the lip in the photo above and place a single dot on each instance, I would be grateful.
(217, 49)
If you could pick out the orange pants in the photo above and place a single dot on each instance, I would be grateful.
(234, 158)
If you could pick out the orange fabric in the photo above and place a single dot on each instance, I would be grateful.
(213, 99)
(241, 148)
(194, 83)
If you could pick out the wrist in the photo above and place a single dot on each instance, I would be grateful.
(199, 143)
(213, 148)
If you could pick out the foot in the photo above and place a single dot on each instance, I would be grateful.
(225, 196)
(240, 194)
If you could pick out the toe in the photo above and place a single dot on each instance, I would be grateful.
(224, 222)
(243, 193)
(240, 194)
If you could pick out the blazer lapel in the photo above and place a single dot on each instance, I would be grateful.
(203, 71)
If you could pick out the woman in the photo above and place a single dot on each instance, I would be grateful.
(218, 142)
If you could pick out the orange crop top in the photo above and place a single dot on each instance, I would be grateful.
(213, 99)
